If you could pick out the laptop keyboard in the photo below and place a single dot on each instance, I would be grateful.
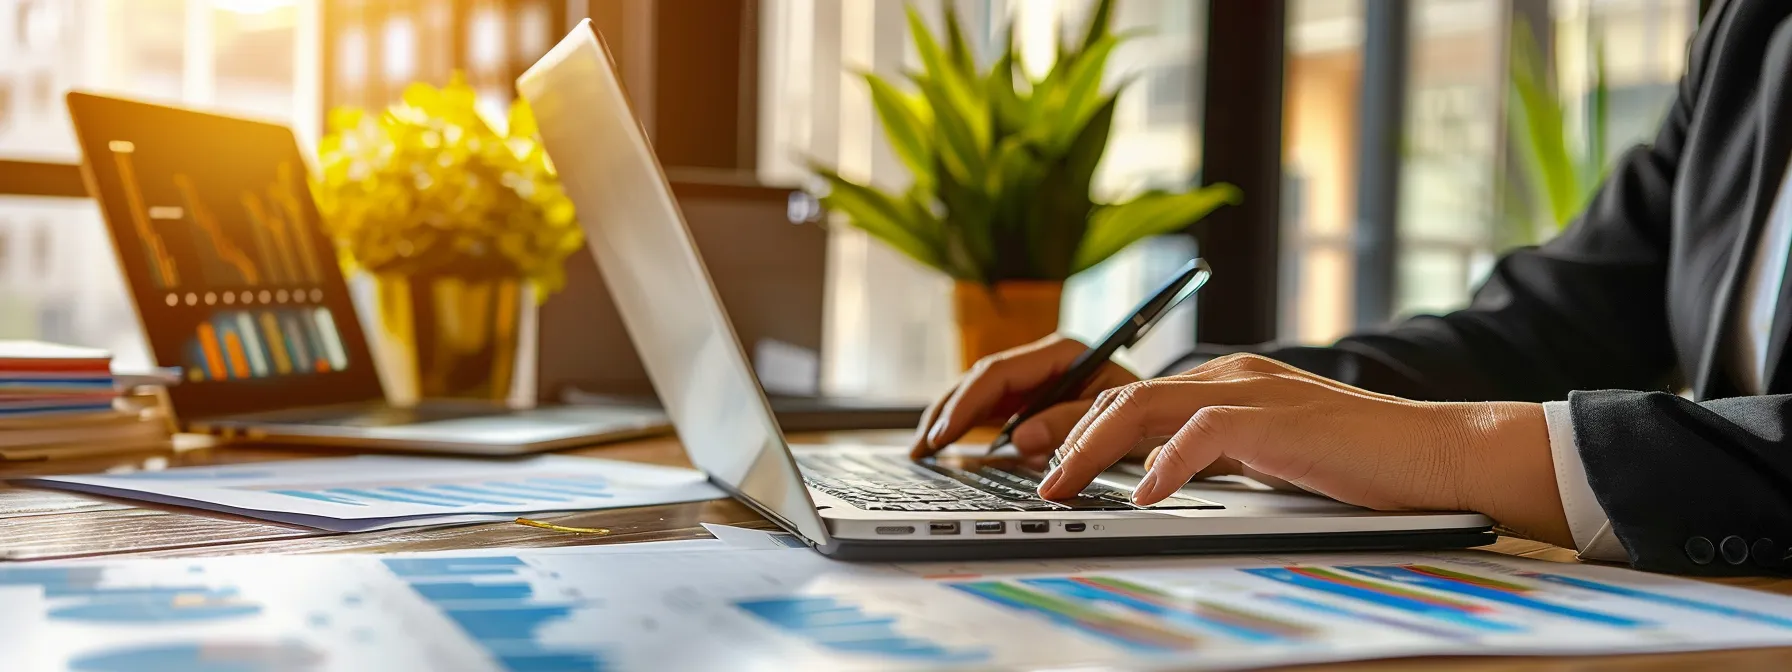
(891, 483)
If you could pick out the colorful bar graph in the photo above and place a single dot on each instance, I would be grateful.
(1328, 582)
(1487, 589)
(240, 345)
(1668, 600)
(1201, 614)
(837, 625)
(1337, 612)
(1130, 632)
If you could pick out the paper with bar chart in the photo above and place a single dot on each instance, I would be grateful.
(685, 605)
(371, 492)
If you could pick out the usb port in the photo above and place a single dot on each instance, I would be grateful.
(1034, 526)
(943, 527)
(990, 527)
(1075, 527)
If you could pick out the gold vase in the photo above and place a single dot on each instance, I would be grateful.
(1010, 314)
(446, 337)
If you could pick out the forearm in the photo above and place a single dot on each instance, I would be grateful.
(1505, 469)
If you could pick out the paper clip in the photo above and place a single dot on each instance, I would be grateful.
(562, 528)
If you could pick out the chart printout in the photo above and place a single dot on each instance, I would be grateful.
(690, 606)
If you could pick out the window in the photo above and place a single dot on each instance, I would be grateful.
(59, 279)
(1456, 83)
(1456, 145)
(1323, 75)
(890, 329)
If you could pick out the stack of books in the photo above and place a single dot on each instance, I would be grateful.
(62, 401)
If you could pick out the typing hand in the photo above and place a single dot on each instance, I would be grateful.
(997, 387)
(1326, 437)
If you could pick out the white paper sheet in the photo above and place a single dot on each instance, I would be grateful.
(672, 608)
(370, 492)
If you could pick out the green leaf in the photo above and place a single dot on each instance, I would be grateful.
(1114, 227)
(1080, 95)
(1593, 170)
(907, 122)
(884, 217)
(1064, 205)
(1007, 112)
(1099, 21)
(958, 48)
(1541, 122)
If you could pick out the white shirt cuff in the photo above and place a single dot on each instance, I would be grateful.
(1587, 521)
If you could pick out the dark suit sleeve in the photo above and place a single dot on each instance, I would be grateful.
(1587, 311)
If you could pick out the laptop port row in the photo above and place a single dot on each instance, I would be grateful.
(951, 527)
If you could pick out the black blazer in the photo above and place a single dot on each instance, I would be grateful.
(1633, 300)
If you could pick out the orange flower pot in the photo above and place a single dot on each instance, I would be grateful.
(1009, 315)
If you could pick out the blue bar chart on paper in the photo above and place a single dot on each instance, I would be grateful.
(492, 602)
(543, 491)
(374, 492)
(706, 605)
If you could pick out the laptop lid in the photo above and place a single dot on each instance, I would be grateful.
(661, 288)
(220, 244)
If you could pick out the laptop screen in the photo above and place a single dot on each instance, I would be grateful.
(233, 278)
(668, 304)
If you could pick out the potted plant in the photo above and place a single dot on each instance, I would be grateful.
(458, 225)
(1003, 167)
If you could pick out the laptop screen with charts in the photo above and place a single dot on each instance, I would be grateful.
(234, 279)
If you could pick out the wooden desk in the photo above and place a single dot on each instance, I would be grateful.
(40, 524)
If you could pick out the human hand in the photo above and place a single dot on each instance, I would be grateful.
(998, 386)
(1356, 446)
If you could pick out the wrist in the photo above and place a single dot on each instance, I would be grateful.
(1509, 473)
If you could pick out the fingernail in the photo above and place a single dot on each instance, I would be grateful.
(933, 435)
(1051, 479)
(1031, 435)
(1147, 488)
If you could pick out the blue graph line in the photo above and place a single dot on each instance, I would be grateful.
(536, 492)
(365, 493)
(1658, 598)
(1087, 593)
(500, 497)
(307, 494)
(580, 489)
(1356, 615)
(1407, 576)
(454, 567)
(182, 608)
(839, 626)
(201, 657)
(1406, 604)
(456, 592)
(457, 495)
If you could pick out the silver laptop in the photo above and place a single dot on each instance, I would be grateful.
(869, 502)
(236, 285)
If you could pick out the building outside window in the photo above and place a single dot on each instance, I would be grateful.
(240, 56)
(1455, 137)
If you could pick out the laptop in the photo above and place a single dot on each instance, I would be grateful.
(870, 502)
(237, 286)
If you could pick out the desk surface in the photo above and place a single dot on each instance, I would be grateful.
(40, 524)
